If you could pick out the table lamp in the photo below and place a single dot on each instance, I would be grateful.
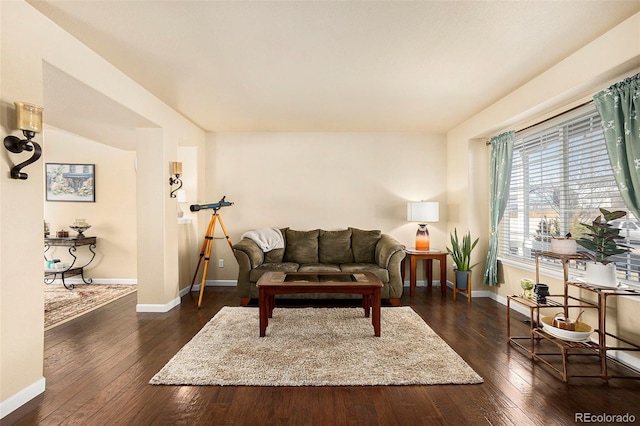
(423, 212)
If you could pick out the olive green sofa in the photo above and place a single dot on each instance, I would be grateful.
(347, 250)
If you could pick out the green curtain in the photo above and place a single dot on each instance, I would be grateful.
(501, 160)
(619, 106)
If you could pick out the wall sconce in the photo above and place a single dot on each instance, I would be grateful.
(423, 212)
(176, 171)
(29, 120)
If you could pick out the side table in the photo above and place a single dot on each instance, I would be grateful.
(429, 256)
(73, 243)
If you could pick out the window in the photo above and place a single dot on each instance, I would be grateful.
(561, 175)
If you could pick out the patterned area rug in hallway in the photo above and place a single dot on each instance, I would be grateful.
(62, 305)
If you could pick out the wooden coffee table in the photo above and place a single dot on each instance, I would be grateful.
(364, 283)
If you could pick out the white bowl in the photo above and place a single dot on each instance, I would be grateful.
(582, 332)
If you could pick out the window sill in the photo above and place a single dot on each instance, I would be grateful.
(554, 272)
(546, 270)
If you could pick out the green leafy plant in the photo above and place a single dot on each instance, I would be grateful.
(460, 252)
(602, 238)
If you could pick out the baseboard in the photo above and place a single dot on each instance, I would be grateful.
(625, 358)
(480, 293)
(423, 283)
(16, 401)
(419, 283)
(436, 283)
(217, 283)
(143, 307)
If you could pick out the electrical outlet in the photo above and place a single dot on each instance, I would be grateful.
(220, 263)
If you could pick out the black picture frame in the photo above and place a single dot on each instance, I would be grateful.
(70, 182)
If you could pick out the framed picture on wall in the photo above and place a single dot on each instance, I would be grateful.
(71, 182)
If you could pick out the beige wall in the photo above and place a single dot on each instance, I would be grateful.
(112, 217)
(605, 61)
(21, 296)
(189, 239)
(323, 180)
(24, 54)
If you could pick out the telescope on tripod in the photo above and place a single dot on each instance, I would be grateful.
(215, 206)
(207, 245)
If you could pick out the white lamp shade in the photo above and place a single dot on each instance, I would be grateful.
(181, 196)
(423, 211)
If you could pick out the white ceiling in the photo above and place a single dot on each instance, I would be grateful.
(333, 66)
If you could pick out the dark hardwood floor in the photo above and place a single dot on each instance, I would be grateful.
(97, 368)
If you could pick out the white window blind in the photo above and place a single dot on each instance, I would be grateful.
(561, 175)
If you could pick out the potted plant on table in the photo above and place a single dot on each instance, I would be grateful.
(460, 252)
(602, 241)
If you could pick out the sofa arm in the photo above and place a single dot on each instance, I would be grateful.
(249, 256)
(389, 255)
(386, 247)
(250, 249)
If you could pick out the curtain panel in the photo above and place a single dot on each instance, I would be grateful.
(619, 106)
(500, 177)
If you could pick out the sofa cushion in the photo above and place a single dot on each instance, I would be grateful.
(335, 246)
(302, 246)
(277, 255)
(256, 273)
(363, 245)
(319, 267)
(381, 273)
(274, 256)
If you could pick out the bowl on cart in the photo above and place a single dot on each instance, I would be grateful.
(580, 334)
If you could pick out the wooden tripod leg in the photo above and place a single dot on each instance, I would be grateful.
(202, 251)
(207, 256)
(224, 230)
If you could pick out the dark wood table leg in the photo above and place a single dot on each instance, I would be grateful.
(366, 304)
(272, 304)
(412, 275)
(375, 316)
(429, 272)
(263, 308)
(443, 276)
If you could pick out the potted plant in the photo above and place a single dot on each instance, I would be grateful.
(602, 241)
(460, 252)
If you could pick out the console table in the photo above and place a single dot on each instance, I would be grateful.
(72, 270)
(429, 256)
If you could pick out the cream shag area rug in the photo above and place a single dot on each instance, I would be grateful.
(316, 347)
(62, 305)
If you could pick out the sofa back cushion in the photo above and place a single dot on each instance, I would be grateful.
(301, 246)
(277, 255)
(363, 245)
(335, 246)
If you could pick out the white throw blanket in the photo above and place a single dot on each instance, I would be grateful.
(266, 238)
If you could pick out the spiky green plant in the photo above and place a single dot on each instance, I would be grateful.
(461, 253)
(601, 238)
